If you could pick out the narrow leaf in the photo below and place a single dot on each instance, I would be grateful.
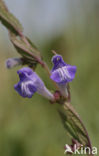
(22, 44)
(8, 20)
(30, 54)
(74, 126)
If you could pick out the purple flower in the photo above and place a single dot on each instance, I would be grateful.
(58, 62)
(12, 62)
(62, 73)
(30, 83)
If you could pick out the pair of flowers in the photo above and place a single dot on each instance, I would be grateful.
(30, 82)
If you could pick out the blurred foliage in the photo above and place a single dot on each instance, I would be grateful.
(33, 127)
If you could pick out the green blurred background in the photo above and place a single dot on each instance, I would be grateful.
(32, 127)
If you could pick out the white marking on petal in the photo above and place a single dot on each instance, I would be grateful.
(24, 87)
(63, 73)
(66, 73)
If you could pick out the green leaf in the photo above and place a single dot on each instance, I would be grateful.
(74, 126)
(31, 55)
(22, 44)
(8, 20)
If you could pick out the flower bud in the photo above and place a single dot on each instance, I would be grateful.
(13, 62)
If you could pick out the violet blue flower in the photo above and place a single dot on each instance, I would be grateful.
(62, 73)
(30, 83)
